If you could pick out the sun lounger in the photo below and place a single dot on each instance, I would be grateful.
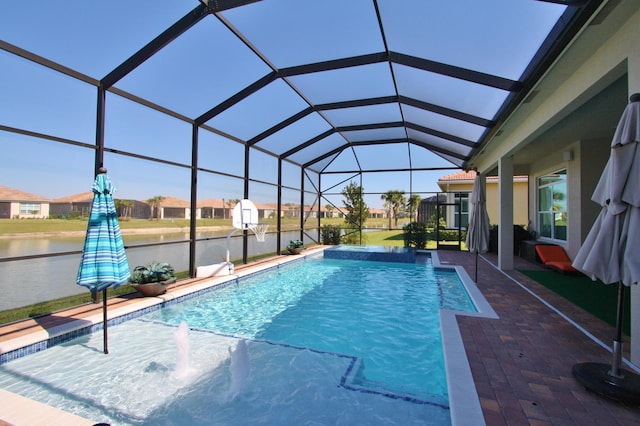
(554, 257)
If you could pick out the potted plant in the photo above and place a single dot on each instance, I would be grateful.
(295, 246)
(153, 278)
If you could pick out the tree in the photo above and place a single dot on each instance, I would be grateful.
(124, 207)
(413, 204)
(357, 210)
(231, 203)
(394, 202)
(329, 209)
(154, 203)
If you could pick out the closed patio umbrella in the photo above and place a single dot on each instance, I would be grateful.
(104, 261)
(610, 251)
(478, 230)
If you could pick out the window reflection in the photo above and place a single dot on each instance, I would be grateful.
(552, 205)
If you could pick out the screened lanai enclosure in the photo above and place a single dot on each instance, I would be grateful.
(198, 104)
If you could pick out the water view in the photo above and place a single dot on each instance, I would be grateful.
(32, 281)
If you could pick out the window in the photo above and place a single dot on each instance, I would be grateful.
(552, 205)
(29, 208)
(461, 213)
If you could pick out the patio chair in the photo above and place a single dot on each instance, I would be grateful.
(554, 257)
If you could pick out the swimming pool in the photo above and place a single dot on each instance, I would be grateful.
(384, 363)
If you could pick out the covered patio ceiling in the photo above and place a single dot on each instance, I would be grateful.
(335, 86)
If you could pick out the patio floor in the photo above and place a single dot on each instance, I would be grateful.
(521, 363)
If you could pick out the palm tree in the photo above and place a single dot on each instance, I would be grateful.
(231, 202)
(394, 201)
(124, 207)
(412, 206)
(329, 209)
(154, 203)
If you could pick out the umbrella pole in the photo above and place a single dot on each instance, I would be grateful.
(617, 340)
(476, 280)
(610, 380)
(104, 320)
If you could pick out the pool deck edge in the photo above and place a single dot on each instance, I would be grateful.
(28, 332)
(464, 402)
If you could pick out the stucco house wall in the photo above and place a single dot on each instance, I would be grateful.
(463, 182)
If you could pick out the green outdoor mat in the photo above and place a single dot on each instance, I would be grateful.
(593, 296)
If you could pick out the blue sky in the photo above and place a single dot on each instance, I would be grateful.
(208, 64)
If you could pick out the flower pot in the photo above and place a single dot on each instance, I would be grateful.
(153, 289)
(295, 250)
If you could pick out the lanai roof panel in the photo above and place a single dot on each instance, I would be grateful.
(444, 124)
(261, 110)
(448, 92)
(382, 113)
(294, 134)
(105, 37)
(497, 37)
(323, 83)
(200, 69)
(345, 84)
(318, 148)
(375, 135)
(291, 33)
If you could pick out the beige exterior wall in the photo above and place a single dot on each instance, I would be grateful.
(15, 211)
(520, 202)
(520, 196)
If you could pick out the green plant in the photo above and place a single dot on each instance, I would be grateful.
(153, 272)
(415, 235)
(294, 244)
(331, 234)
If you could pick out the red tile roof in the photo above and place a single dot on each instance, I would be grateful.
(11, 194)
(174, 202)
(83, 197)
(470, 176)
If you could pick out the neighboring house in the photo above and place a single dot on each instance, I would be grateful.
(78, 204)
(377, 213)
(429, 205)
(16, 204)
(214, 209)
(173, 208)
(461, 183)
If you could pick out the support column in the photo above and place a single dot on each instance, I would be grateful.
(633, 77)
(505, 229)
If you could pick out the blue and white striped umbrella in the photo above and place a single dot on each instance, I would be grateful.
(104, 261)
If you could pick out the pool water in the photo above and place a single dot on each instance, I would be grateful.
(328, 342)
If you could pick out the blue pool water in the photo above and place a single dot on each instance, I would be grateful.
(329, 341)
(377, 253)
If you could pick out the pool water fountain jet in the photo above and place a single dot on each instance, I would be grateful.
(239, 368)
(183, 371)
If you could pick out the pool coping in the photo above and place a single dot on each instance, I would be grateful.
(43, 337)
(464, 403)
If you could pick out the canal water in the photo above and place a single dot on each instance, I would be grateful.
(30, 281)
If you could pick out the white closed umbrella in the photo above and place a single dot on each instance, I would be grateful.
(478, 230)
(610, 251)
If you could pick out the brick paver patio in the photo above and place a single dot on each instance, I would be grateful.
(521, 363)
